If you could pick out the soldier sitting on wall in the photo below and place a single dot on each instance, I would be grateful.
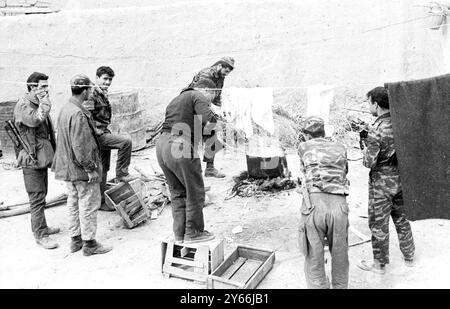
(100, 108)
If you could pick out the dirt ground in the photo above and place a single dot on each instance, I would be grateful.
(269, 222)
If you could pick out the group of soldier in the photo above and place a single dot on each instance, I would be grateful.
(324, 220)
(81, 157)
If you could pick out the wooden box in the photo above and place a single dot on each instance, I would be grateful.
(245, 268)
(128, 203)
(191, 261)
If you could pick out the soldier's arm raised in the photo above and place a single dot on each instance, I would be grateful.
(33, 117)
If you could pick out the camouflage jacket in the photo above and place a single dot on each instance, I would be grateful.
(98, 105)
(324, 164)
(380, 153)
(211, 74)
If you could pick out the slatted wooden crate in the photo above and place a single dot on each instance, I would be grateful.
(191, 261)
(244, 268)
(128, 203)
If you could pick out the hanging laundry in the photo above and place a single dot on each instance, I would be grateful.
(245, 106)
(320, 98)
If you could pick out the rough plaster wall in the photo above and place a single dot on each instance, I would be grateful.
(274, 43)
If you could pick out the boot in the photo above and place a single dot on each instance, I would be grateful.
(375, 267)
(76, 244)
(91, 247)
(199, 237)
(213, 172)
(46, 242)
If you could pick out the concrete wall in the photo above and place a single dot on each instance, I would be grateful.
(282, 44)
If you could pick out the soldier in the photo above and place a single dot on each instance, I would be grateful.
(176, 151)
(215, 73)
(385, 189)
(77, 162)
(31, 117)
(98, 105)
(324, 166)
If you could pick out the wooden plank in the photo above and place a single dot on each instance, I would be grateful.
(226, 263)
(261, 272)
(226, 283)
(217, 255)
(124, 216)
(178, 272)
(246, 271)
(253, 253)
(175, 260)
(233, 268)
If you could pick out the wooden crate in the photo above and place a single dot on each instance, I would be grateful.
(128, 203)
(244, 268)
(191, 261)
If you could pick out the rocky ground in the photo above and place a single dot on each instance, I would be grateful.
(269, 222)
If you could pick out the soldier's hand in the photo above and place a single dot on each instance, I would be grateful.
(93, 176)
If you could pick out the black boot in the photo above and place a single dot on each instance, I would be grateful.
(91, 247)
(76, 244)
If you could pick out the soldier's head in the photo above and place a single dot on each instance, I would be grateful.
(224, 66)
(104, 77)
(37, 82)
(81, 87)
(378, 99)
(207, 88)
(314, 127)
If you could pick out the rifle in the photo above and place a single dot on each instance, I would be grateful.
(363, 134)
(17, 140)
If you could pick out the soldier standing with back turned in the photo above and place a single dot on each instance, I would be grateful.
(324, 165)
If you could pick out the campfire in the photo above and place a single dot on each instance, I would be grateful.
(246, 186)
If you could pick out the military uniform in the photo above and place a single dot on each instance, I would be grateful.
(176, 151)
(385, 192)
(324, 164)
(100, 108)
(32, 119)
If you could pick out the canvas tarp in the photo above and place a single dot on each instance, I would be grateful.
(420, 112)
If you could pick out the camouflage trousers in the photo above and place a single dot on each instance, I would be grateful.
(83, 202)
(328, 219)
(386, 200)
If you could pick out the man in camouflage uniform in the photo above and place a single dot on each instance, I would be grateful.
(215, 73)
(77, 162)
(324, 165)
(385, 189)
(100, 108)
(32, 119)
